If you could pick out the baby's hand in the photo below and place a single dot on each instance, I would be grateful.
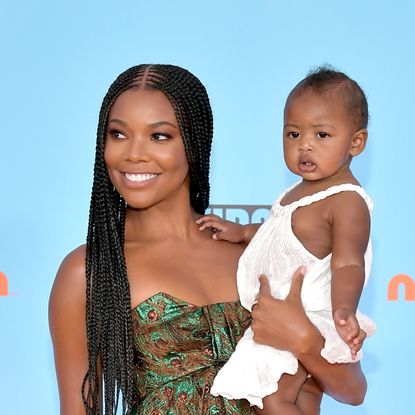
(222, 229)
(349, 329)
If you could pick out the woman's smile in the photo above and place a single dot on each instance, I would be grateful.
(137, 179)
(144, 150)
(140, 177)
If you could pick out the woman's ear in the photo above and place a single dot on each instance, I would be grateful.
(359, 141)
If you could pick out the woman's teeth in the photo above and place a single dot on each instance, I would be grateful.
(139, 177)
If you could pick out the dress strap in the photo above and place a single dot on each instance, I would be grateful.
(345, 187)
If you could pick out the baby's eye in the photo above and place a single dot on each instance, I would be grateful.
(322, 134)
(293, 134)
(116, 134)
(161, 136)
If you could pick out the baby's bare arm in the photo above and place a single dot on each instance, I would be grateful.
(339, 225)
(350, 237)
(226, 230)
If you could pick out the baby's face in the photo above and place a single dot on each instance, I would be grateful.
(318, 136)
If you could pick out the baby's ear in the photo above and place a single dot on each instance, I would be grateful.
(359, 141)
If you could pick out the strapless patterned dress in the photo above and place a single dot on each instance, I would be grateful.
(178, 350)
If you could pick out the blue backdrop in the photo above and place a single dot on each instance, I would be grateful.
(58, 58)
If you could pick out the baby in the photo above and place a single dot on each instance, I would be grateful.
(322, 222)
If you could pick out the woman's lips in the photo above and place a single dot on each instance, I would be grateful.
(140, 177)
(138, 180)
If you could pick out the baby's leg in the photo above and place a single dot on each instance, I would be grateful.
(309, 398)
(283, 401)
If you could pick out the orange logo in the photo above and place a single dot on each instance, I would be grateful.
(4, 284)
(396, 282)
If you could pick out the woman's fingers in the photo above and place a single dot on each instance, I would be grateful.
(264, 287)
(282, 324)
(297, 284)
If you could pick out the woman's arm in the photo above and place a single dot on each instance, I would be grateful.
(68, 330)
(284, 325)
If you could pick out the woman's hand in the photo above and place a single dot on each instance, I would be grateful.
(283, 324)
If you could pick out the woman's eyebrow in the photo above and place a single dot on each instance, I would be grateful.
(154, 124)
(160, 123)
(117, 121)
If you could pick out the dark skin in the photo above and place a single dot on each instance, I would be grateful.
(164, 250)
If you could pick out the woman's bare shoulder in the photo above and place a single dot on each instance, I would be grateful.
(75, 260)
(69, 284)
(67, 323)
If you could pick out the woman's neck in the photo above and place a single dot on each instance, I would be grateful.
(160, 221)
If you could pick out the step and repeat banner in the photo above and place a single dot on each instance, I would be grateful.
(58, 59)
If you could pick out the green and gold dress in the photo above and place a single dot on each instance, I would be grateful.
(179, 348)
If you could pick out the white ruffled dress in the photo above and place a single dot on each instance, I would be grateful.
(253, 371)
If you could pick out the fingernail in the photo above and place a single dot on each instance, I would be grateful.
(303, 269)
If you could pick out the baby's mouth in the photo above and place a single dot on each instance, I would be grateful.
(307, 166)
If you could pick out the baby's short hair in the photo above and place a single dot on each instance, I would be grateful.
(325, 78)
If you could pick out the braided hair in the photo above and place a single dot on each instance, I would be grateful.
(108, 302)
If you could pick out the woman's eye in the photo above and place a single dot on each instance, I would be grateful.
(116, 134)
(161, 136)
(322, 134)
(293, 134)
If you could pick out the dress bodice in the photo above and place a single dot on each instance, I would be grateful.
(178, 349)
(277, 252)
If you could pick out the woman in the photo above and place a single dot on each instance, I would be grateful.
(150, 304)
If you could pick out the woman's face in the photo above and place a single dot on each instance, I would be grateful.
(144, 150)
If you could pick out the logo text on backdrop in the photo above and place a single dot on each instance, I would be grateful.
(408, 285)
(241, 213)
(4, 285)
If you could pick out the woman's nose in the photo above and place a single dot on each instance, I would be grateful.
(137, 150)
